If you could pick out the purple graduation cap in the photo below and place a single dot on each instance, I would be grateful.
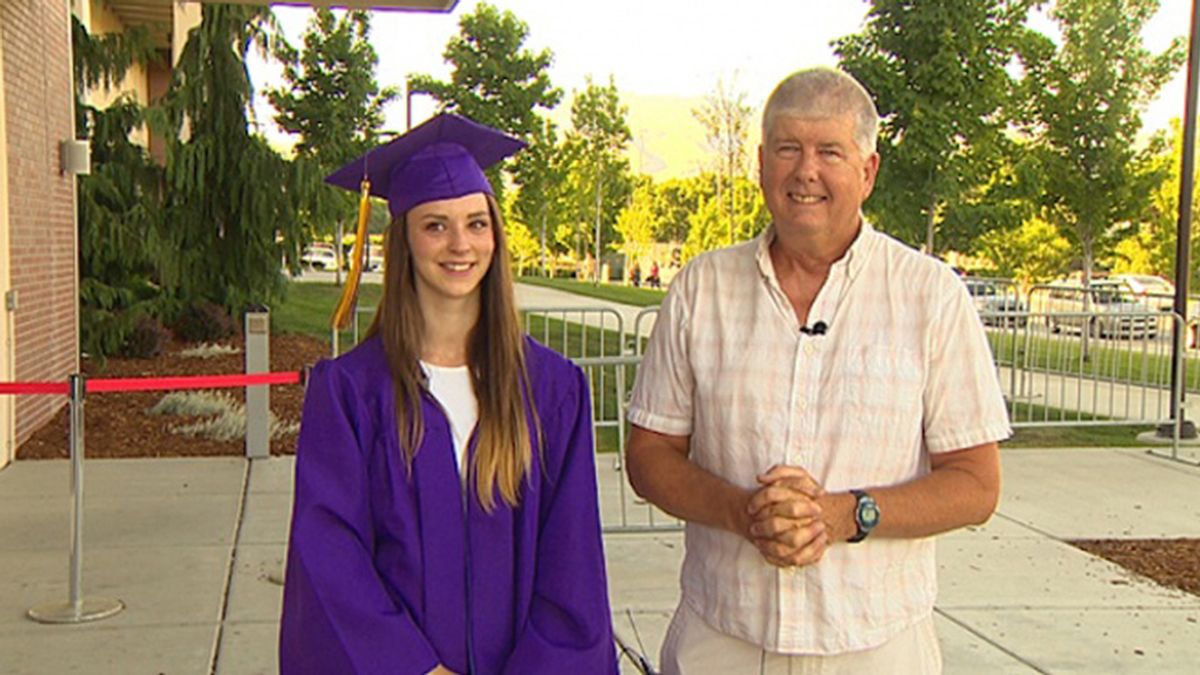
(443, 158)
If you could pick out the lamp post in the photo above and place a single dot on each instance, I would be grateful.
(1183, 234)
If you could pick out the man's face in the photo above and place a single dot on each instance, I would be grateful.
(814, 179)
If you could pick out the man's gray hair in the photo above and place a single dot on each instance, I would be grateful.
(821, 93)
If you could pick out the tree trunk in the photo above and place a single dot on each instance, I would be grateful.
(732, 201)
(1087, 299)
(544, 240)
(337, 252)
(598, 205)
(929, 225)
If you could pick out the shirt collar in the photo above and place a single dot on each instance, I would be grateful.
(850, 264)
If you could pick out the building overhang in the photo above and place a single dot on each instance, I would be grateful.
(402, 5)
(158, 15)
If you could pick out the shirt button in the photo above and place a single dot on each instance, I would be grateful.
(801, 404)
(809, 348)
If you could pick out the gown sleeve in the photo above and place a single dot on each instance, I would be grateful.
(337, 615)
(569, 628)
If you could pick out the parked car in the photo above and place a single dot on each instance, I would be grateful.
(1150, 291)
(997, 302)
(1111, 312)
(319, 258)
(374, 262)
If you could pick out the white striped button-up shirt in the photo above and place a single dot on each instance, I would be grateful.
(903, 370)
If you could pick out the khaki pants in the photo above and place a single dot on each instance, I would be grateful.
(692, 647)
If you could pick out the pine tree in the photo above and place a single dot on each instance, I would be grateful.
(231, 200)
(119, 202)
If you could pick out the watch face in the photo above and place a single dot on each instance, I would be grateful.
(868, 514)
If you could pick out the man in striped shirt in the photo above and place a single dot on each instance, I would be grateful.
(816, 403)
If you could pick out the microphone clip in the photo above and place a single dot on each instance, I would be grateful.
(818, 328)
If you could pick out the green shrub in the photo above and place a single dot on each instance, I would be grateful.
(204, 321)
(147, 339)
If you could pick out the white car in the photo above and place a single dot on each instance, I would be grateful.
(1156, 293)
(998, 303)
(319, 258)
(1110, 312)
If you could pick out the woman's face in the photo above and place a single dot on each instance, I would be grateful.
(452, 242)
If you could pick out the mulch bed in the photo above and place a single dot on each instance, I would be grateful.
(118, 425)
(1171, 562)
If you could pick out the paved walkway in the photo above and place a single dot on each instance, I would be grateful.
(194, 548)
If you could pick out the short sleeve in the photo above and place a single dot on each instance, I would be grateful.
(963, 403)
(662, 393)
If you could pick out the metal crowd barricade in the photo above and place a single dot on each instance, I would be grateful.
(335, 336)
(640, 335)
(1077, 369)
(576, 332)
(611, 390)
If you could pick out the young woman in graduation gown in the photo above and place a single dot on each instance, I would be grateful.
(406, 556)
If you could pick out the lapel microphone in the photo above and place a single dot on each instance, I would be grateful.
(818, 328)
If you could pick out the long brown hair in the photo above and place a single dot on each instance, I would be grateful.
(495, 357)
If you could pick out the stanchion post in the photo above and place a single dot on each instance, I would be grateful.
(258, 397)
(77, 608)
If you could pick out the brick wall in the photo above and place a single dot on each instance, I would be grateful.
(37, 91)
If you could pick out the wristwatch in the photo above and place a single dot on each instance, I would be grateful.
(866, 515)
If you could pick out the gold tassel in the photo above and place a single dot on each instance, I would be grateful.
(345, 306)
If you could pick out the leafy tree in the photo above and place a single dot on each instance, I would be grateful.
(119, 201)
(1032, 254)
(333, 102)
(937, 71)
(1086, 98)
(677, 200)
(725, 117)
(230, 198)
(1151, 249)
(522, 245)
(599, 172)
(638, 222)
(711, 226)
(495, 79)
(539, 172)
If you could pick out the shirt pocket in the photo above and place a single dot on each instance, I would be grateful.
(873, 416)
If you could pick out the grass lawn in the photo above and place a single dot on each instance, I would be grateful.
(309, 305)
(1077, 437)
(1134, 361)
(1114, 435)
(626, 295)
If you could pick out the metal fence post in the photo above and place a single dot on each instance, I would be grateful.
(77, 608)
(258, 397)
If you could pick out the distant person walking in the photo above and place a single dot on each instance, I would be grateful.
(653, 281)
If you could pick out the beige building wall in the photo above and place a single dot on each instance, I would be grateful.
(101, 21)
(187, 17)
(7, 439)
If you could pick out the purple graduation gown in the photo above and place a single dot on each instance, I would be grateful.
(386, 575)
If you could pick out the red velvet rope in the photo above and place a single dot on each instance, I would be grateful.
(33, 388)
(99, 385)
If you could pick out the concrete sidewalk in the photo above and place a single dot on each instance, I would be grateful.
(194, 547)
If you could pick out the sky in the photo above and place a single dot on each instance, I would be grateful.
(664, 56)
